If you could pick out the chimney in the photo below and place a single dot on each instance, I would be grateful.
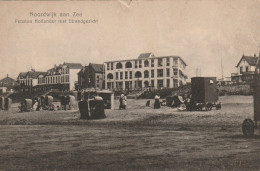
(254, 55)
(7, 75)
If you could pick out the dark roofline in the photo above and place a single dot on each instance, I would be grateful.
(72, 67)
(100, 65)
(25, 73)
(147, 58)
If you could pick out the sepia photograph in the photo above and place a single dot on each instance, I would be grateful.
(130, 85)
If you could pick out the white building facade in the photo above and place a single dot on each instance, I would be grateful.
(147, 71)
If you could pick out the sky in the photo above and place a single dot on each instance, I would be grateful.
(200, 31)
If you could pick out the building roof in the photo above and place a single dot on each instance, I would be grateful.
(7, 81)
(151, 56)
(173, 57)
(22, 74)
(97, 67)
(251, 60)
(82, 70)
(145, 55)
(35, 74)
(73, 65)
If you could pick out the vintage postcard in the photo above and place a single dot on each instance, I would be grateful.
(130, 85)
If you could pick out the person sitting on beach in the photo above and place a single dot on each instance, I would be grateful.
(35, 106)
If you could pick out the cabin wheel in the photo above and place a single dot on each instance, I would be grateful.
(208, 107)
(218, 106)
(199, 107)
(248, 127)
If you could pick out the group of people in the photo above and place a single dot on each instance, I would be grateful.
(122, 101)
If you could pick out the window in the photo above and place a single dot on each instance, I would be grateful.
(159, 83)
(175, 83)
(128, 84)
(128, 65)
(152, 63)
(138, 74)
(140, 63)
(109, 76)
(108, 66)
(152, 83)
(116, 75)
(146, 63)
(175, 62)
(160, 73)
(175, 71)
(247, 68)
(152, 73)
(119, 85)
(121, 75)
(97, 79)
(109, 86)
(167, 72)
(167, 61)
(119, 65)
(160, 62)
(126, 75)
(130, 75)
(241, 70)
(135, 64)
(112, 66)
(146, 74)
(168, 83)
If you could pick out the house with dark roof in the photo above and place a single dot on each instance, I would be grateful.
(29, 78)
(145, 72)
(91, 76)
(245, 69)
(62, 77)
(7, 84)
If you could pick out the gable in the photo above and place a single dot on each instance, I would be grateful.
(250, 60)
(96, 67)
(242, 62)
(146, 55)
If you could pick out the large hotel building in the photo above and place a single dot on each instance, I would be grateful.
(147, 71)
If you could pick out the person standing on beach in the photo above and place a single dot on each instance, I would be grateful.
(124, 101)
(121, 101)
(157, 104)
